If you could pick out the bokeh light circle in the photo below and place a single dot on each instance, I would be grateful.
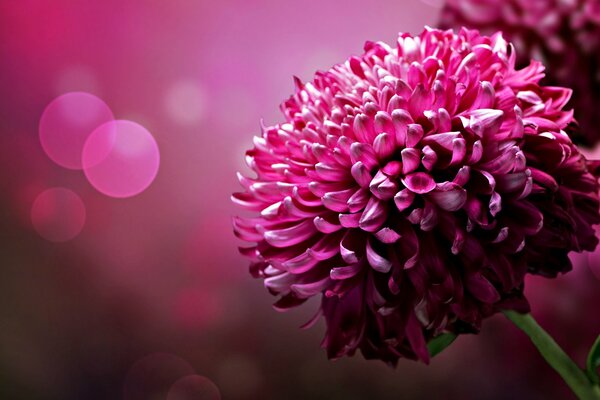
(120, 158)
(185, 102)
(66, 124)
(194, 387)
(58, 214)
(152, 376)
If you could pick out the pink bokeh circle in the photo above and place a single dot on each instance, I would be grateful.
(120, 158)
(152, 376)
(194, 387)
(67, 122)
(58, 214)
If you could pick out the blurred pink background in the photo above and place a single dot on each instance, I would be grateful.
(151, 288)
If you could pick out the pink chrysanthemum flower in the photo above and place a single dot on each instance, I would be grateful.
(412, 188)
(565, 34)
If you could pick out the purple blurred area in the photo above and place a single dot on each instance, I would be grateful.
(152, 290)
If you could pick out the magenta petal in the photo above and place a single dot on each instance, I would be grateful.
(486, 97)
(392, 169)
(544, 179)
(350, 220)
(445, 121)
(503, 163)
(290, 236)
(526, 189)
(363, 152)
(322, 153)
(246, 231)
(361, 174)
(330, 172)
(429, 157)
(247, 201)
(414, 334)
(459, 151)
(305, 197)
(320, 188)
(374, 215)
(403, 89)
(482, 181)
(458, 242)
(280, 283)
(429, 218)
(324, 226)
(462, 176)
(325, 248)
(442, 140)
(485, 120)
(306, 290)
(378, 262)
(397, 103)
(384, 145)
(341, 273)
(363, 129)
(271, 190)
(411, 158)
(541, 124)
(414, 134)
(495, 203)
(296, 210)
(250, 252)
(383, 187)
(419, 182)
(338, 201)
(383, 122)
(481, 288)
(287, 302)
(449, 196)
(476, 152)
(502, 235)
(415, 216)
(313, 320)
(300, 264)
(401, 120)
(348, 256)
(387, 189)
(416, 75)
(377, 180)
(419, 101)
(404, 199)
(271, 211)
(387, 235)
(512, 182)
(356, 66)
(359, 200)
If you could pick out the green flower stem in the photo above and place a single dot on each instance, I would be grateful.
(574, 376)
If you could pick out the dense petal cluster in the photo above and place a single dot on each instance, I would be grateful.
(565, 35)
(412, 188)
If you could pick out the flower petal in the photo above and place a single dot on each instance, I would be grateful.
(449, 196)
(377, 261)
(374, 215)
(419, 182)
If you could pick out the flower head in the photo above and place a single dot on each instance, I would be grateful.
(412, 188)
(564, 34)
